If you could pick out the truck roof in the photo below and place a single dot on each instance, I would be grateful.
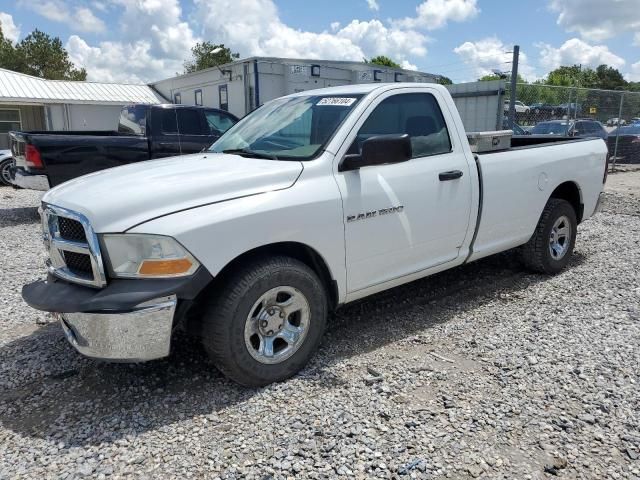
(363, 88)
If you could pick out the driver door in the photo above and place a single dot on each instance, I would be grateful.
(403, 218)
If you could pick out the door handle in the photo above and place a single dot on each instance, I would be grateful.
(451, 175)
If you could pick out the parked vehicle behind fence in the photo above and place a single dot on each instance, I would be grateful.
(46, 159)
(312, 201)
(519, 107)
(628, 144)
(571, 128)
(612, 122)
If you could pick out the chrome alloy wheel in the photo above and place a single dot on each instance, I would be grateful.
(560, 238)
(277, 325)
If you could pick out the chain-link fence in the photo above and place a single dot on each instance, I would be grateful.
(611, 115)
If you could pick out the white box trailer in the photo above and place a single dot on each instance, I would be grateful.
(241, 86)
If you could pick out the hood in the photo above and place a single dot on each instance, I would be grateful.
(116, 199)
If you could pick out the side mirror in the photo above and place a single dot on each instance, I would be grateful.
(379, 150)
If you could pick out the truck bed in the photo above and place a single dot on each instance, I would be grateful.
(66, 155)
(516, 183)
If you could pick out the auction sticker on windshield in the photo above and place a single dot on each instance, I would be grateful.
(337, 101)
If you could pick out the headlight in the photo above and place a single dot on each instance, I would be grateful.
(143, 256)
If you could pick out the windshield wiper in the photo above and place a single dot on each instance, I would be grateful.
(246, 152)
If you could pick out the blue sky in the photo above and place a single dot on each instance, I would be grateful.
(146, 40)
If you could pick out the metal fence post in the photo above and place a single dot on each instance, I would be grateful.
(566, 128)
(501, 92)
(514, 82)
(615, 149)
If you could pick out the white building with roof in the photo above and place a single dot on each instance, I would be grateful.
(31, 103)
(241, 86)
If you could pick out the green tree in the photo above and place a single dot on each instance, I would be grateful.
(610, 78)
(493, 76)
(39, 55)
(603, 77)
(383, 61)
(488, 78)
(207, 55)
(9, 58)
(572, 76)
(442, 80)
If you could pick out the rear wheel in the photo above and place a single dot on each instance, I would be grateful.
(266, 322)
(550, 248)
(5, 165)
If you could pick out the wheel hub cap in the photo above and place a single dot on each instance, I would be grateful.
(560, 238)
(277, 325)
(271, 321)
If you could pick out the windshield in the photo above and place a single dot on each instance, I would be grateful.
(288, 128)
(550, 128)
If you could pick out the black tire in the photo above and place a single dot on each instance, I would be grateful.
(536, 253)
(4, 171)
(227, 313)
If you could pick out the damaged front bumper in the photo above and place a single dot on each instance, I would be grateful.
(141, 334)
(127, 321)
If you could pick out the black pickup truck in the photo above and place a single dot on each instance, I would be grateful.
(46, 159)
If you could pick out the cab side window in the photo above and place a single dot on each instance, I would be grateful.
(190, 122)
(168, 121)
(415, 114)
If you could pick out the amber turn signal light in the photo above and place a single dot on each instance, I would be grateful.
(165, 267)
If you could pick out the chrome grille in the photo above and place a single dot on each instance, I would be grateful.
(74, 250)
(79, 263)
(71, 230)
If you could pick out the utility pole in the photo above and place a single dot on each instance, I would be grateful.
(514, 81)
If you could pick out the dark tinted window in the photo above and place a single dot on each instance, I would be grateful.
(168, 122)
(190, 122)
(416, 114)
(133, 120)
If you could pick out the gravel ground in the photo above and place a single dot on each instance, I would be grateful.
(480, 372)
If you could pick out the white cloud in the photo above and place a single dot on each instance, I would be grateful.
(106, 62)
(159, 53)
(575, 52)
(634, 74)
(408, 65)
(79, 19)
(98, 5)
(636, 39)
(254, 27)
(434, 14)
(250, 27)
(9, 29)
(86, 21)
(597, 20)
(488, 54)
(374, 38)
(373, 5)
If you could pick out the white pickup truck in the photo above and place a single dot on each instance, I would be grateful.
(312, 201)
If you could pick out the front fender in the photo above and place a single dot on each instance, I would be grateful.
(309, 213)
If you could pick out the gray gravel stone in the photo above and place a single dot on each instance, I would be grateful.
(489, 372)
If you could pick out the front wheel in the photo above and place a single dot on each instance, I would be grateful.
(266, 321)
(549, 249)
